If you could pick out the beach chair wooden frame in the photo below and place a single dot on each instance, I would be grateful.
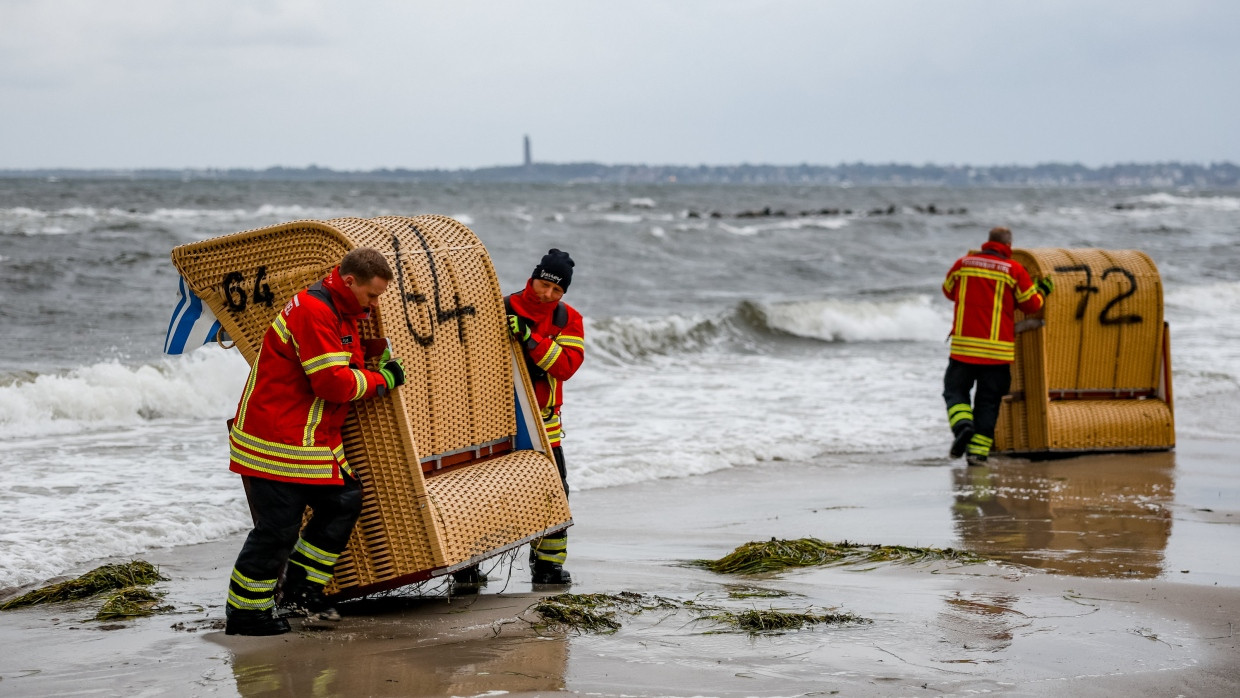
(1093, 368)
(455, 464)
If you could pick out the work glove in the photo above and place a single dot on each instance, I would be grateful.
(393, 372)
(1045, 285)
(519, 327)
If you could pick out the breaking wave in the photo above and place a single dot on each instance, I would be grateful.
(751, 324)
(204, 384)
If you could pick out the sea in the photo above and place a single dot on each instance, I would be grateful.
(727, 326)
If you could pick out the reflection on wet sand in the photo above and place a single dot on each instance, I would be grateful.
(405, 653)
(1090, 516)
(979, 622)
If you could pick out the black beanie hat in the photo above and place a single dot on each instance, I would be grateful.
(556, 267)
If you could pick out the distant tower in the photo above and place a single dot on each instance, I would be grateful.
(528, 160)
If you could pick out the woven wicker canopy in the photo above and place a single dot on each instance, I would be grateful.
(446, 483)
(1096, 376)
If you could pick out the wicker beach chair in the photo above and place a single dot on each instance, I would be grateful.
(455, 464)
(1093, 371)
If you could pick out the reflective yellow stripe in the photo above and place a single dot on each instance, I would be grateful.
(959, 412)
(271, 448)
(318, 363)
(361, 384)
(245, 396)
(548, 359)
(567, 340)
(999, 276)
(253, 584)
(281, 328)
(996, 312)
(997, 355)
(551, 384)
(261, 604)
(1026, 295)
(313, 575)
(964, 285)
(263, 465)
(315, 553)
(313, 418)
(981, 343)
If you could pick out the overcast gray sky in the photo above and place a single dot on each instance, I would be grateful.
(457, 83)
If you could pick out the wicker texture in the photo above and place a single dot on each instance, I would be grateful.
(1096, 377)
(444, 315)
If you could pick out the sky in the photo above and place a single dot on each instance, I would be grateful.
(384, 84)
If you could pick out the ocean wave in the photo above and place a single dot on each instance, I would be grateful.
(48, 222)
(203, 384)
(1219, 300)
(789, 224)
(910, 318)
(1217, 203)
(905, 319)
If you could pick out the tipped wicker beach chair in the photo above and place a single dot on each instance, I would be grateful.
(455, 464)
(1093, 369)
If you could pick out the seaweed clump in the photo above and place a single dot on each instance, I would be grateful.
(597, 612)
(135, 573)
(131, 602)
(772, 622)
(775, 555)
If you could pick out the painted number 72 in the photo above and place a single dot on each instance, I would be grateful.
(1088, 288)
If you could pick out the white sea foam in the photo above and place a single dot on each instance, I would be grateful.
(905, 319)
(641, 202)
(1218, 203)
(1205, 337)
(73, 499)
(678, 416)
(789, 224)
(203, 384)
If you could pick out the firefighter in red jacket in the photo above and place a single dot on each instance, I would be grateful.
(285, 440)
(553, 337)
(986, 287)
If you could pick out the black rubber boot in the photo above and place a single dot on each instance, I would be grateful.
(307, 601)
(467, 581)
(251, 622)
(550, 573)
(975, 459)
(964, 433)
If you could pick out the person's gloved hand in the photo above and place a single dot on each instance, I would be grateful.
(1045, 285)
(393, 371)
(519, 327)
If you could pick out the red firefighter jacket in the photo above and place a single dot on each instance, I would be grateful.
(987, 287)
(553, 353)
(295, 402)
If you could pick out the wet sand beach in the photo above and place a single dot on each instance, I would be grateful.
(1111, 574)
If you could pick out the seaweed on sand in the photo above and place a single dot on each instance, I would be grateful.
(107, 577)
(131, 602)
(771, 621)
(775, 555)
(597, 612)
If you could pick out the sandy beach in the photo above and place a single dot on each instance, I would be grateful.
(1126, 583)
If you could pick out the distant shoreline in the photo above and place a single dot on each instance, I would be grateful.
(1221, 175)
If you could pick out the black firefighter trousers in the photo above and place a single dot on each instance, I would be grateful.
(993, 382)
(553, 549)
(278, 508)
